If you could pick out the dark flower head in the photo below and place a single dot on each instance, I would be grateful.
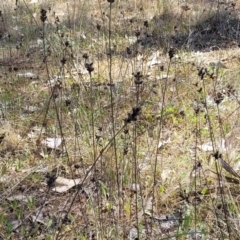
(145, 23)
(85, 56)
(98, 27)
(171, 53)
(89, 67)
(133, 115)
(43, 16)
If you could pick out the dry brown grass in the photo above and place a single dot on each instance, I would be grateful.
(163, 169)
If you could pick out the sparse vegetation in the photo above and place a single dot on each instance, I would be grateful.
(119, 119)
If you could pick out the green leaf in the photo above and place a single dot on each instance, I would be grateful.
(204, 191)
(104, 189)
(161, 189)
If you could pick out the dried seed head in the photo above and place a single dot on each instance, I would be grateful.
(145, 23)
(200, 90)
(43, 16)
(98, 27)
(89, 67)
(129, 52)
(185, 8)
(171, 53)
(138, 78)
(218, 97)
(57, 20)
(63, 60)
(133, 115)
(137, 33)
(68, 102)
(67, 44)
(51, 178)
(85, 56)
(202, 72)
(2, 136)
(126, 131)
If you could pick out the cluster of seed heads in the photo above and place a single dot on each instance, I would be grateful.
(202, 72)
(138, 78)
(171, 53)
(63, 61)
(219, 96)
(88, 65)
(132, 116)
(51, 178)
(43, 16)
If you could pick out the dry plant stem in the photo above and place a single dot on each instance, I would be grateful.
(74, 106)
(57, 113)
(140, 214)
(158, 139)
(112, 109)
(87, 174)
(94, 164)
(220, 166)
(29, 10)
(195, 180)
(214, 208)
(55, 105)
(216, 164)
(99, 199)
(92, 116)
(135, 165)
(99, 195)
